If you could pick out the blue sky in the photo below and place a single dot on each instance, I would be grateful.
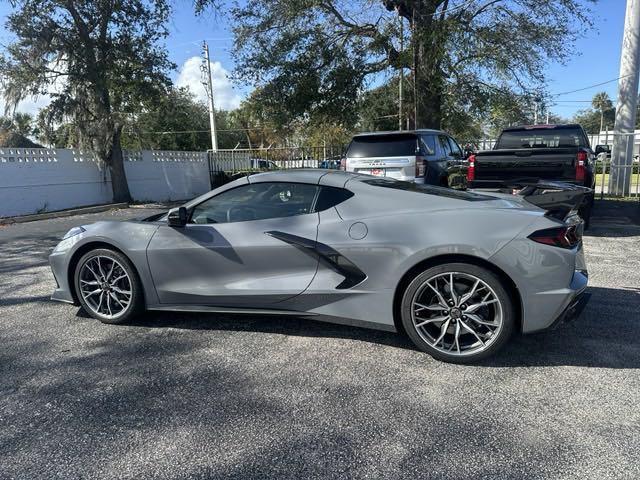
(596, 60)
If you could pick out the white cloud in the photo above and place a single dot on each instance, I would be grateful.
(225, 98)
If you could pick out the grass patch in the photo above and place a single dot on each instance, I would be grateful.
(634, 181)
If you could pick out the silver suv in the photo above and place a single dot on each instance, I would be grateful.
(421, 156)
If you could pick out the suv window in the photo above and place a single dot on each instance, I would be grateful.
(401, 144)
(542, 138)
(428, 144)
(257, 201)
(455, 148)
(445, 145)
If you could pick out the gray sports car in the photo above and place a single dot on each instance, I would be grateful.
(458, 271)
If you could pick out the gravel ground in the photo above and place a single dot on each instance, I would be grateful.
(212, 396)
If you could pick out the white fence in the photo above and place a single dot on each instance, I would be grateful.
(34, 180)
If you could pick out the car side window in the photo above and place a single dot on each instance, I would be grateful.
(428, 144)
(455, 148)
(256, 201)
(330, 197)
(445, 145)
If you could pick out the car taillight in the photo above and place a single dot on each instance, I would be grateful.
(471, 169)
(581, 165)
(563, 237)
(343, 164)
(419, 167)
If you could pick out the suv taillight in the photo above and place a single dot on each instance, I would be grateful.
(343, 164)
(563, 237)
(420, 167)
(471, 169)
(581, 165)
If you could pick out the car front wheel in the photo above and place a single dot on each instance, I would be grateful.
(108, 286)
(457, 312)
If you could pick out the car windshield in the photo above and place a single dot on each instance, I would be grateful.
(426, 189)
(542, 138)
(383, 146)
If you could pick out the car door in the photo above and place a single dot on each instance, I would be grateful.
(234, 251)
(456, 172)
(434, 158)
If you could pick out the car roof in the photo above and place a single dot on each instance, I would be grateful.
(563, 126)
(303, 175)
(398, 132)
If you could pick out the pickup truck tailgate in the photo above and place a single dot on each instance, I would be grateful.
(539, 163)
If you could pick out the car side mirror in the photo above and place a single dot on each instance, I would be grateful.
(177, 217)
(602, 149)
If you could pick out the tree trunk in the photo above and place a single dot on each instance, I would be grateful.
(119, 184)
(428, 42)
(428, 104)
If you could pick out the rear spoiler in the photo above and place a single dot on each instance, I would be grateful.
(559, 199)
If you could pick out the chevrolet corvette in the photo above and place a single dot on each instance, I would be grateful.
(459, 272)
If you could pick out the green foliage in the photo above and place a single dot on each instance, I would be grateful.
(378, 108)
(601, 102)
(99, 60)
(600, 117)
(179, 122)
(14, 131)
(589, 119)
(312, 58)
(156, 125)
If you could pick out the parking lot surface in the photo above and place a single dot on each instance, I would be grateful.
(221, 396)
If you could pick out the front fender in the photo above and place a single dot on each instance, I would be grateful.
(131, 238)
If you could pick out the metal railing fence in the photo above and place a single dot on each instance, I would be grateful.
(243, 159)
(226, 164)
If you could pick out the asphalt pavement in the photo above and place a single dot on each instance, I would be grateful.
(221, 396)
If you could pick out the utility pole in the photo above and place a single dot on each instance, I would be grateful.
(623, 132)
(207, 81)
(414, 42)
(401, 82)
(535, 113)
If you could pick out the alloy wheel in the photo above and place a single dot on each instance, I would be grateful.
(105, 286)
(457, 313)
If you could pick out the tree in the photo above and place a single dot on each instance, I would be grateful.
(602, 104)
(176, 121)
(596, 119)
(378, 108)
(14, 132)
(314, 57)
(589, 120)
(100, 60)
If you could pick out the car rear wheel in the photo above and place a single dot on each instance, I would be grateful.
(457, 312)
(108, 286)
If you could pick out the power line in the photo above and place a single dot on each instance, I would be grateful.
(590, 86)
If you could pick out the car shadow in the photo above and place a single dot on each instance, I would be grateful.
(270, 324)
(605, 336)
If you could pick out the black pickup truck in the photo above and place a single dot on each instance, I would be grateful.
(527, 154)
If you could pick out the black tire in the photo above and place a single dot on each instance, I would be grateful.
(136, 304)
(486, 276)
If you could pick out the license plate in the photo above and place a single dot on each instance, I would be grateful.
(378, 172)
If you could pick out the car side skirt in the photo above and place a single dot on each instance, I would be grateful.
(352, 322)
